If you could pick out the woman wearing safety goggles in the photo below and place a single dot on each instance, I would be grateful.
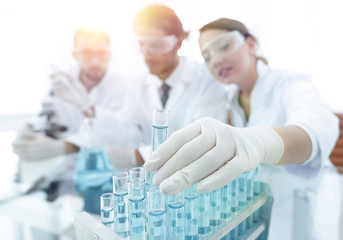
(277, 120)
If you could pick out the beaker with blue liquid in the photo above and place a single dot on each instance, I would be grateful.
(93, 170)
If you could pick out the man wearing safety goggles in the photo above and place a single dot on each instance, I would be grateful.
(178, 84)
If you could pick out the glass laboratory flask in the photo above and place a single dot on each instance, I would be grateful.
(93, 171)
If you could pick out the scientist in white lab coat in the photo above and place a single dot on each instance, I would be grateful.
(278, 120)
(91, 76)
(175, 83)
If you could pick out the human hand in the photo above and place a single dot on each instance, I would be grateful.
(213, 153)
(32, 146)
(72, 91)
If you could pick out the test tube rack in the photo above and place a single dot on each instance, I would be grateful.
(84, 222)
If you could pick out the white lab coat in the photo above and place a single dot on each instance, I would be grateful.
(194, 94)
(306, 196)
(109, 95)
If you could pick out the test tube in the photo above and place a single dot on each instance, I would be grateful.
(137, 172)
(225, 212)
(215, 207)
(120, 189)
(156, 214)
(160, 122)
(136, 209)
(191, 214)
(257, 191)
(204, 209)
(243, 190)
(234, 196)
(242, 229)
(107, 210)
(176, 213)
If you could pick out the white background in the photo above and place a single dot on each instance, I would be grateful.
(300, 35)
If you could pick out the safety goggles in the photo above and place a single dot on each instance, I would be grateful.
(158, 45)
(223, 45)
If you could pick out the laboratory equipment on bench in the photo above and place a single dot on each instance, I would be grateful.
(93, 171)
(46, 123)
(239, 210)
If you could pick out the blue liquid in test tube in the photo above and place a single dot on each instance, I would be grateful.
(176, 214)
(120, 187)
(257, 191)
(160, 122)
(107, 210)
(215, 207)
(156, 214)
(225, 201)
(243, 190)
(234, 196)
(137, 209)
(191, 214)
(204, 209)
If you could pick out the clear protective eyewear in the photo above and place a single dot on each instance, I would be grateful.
(223, 45)
(157, 45)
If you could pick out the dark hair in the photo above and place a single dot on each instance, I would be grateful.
(91, 32)
(231, 25)
(162, 17)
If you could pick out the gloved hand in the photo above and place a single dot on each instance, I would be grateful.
(213, 153)
(72, 91)
(35, 146)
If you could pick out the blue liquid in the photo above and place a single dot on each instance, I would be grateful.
(176, 221)
(215, 207)
(137, 219)
(93, 177)
(157, 225)
(191, 218)
(257, 181)
(121, 225)
(243, 190)
(242, 229)
(234, 196)
(234, 234)
(159, 135)
(256, 216)
(250, 185)
(249, 222)
(107, 217)
(204, 208)
(225, 202)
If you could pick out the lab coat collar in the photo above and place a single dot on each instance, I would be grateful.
(177, 76)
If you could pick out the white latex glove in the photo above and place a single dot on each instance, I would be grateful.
(213, 153)
(72, 91)
(32, 146)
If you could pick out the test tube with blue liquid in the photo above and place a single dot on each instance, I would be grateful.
(160, 123)
(257, 191)
(215, 207)
(243, 190)
(136, 209)
(107, 210)
(226, 201)
(204, 209)
(250, 196)
(234, 197)
(176, 213)
(157, 225)
(120, 189)
(191, 214)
